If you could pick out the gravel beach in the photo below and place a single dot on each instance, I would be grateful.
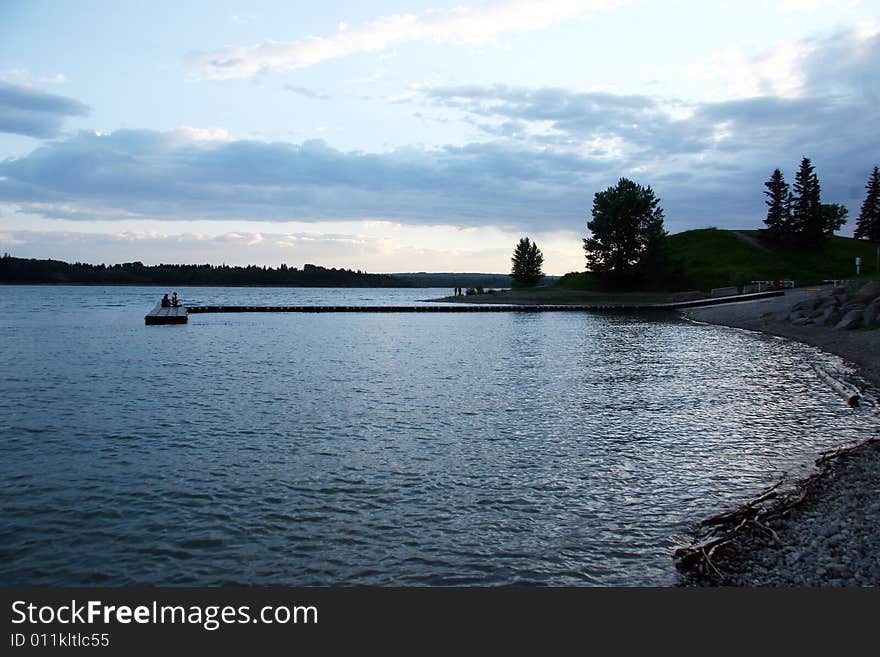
(832, 536)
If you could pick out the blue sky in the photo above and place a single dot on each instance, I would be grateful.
(410, 136)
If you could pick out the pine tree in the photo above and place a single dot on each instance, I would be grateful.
(527, 262)
(777, 206)
(806, 216)
(868, 223)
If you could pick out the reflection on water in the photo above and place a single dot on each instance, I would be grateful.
(380, 449)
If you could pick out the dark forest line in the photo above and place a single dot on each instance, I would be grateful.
(32, 271)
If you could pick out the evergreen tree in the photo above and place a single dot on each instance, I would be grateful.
(868, 223)
(527, 262)
(777, 206)
(627, 231)
(788, 228)
(806, 216)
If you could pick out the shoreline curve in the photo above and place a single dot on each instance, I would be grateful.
(828, 537)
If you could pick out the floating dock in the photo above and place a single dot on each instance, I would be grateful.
(167, 315)
(179, 315)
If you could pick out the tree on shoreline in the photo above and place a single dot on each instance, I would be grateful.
(806, 213)
(527, 263)
(868, 223)
(626, 231)
(778, 208)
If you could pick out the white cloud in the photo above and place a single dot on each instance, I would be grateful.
(472, 26)
(189, 134)
(813, 5)
(138, 236)
(866, 30)
(8, 239)
(736, 74)
(23, 75)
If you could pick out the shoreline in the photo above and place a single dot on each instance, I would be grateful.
(769, 316)
(825, 535)
(817, 531)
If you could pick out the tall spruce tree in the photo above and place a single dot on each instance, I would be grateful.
(777, 206)
(806, 215)
(868, 223)
(527, 263)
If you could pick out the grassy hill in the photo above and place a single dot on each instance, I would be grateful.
(711, 257)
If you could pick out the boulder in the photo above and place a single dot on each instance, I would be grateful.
(802, 321)
(831, 315)
(868, 291)
(851, 305)
(871, 316)
(809, 304)
(838, 291)
(851, 320)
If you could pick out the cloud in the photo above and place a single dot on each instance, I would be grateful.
(305, 91)
(174, 175)
(706, 158)
(811, 66)
(459, 25)
(543, 154)
(374, 254)
(28, 111)
(8, 239)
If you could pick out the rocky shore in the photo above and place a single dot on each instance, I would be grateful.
(825, 531)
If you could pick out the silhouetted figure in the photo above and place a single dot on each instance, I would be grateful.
(166, 302)
(174, 300)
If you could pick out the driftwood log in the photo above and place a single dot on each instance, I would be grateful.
(696, 560)
(849, 392)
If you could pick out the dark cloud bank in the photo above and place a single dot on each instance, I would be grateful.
(34, 113)
(547, 151)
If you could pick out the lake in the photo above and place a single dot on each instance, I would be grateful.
(381, 449)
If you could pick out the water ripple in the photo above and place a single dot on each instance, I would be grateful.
(553, 449)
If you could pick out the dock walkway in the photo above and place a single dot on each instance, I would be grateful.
(178, 315)
(487, 308)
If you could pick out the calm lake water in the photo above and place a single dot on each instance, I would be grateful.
(389, 449)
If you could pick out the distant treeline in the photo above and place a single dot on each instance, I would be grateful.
(21, 270)
(57, 272)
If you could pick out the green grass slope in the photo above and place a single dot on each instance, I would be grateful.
(715, 258)
(707, 258)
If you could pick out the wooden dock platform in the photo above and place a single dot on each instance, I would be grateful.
(168, 315)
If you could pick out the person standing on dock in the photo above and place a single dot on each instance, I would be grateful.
(175, 302)
(166, 303)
